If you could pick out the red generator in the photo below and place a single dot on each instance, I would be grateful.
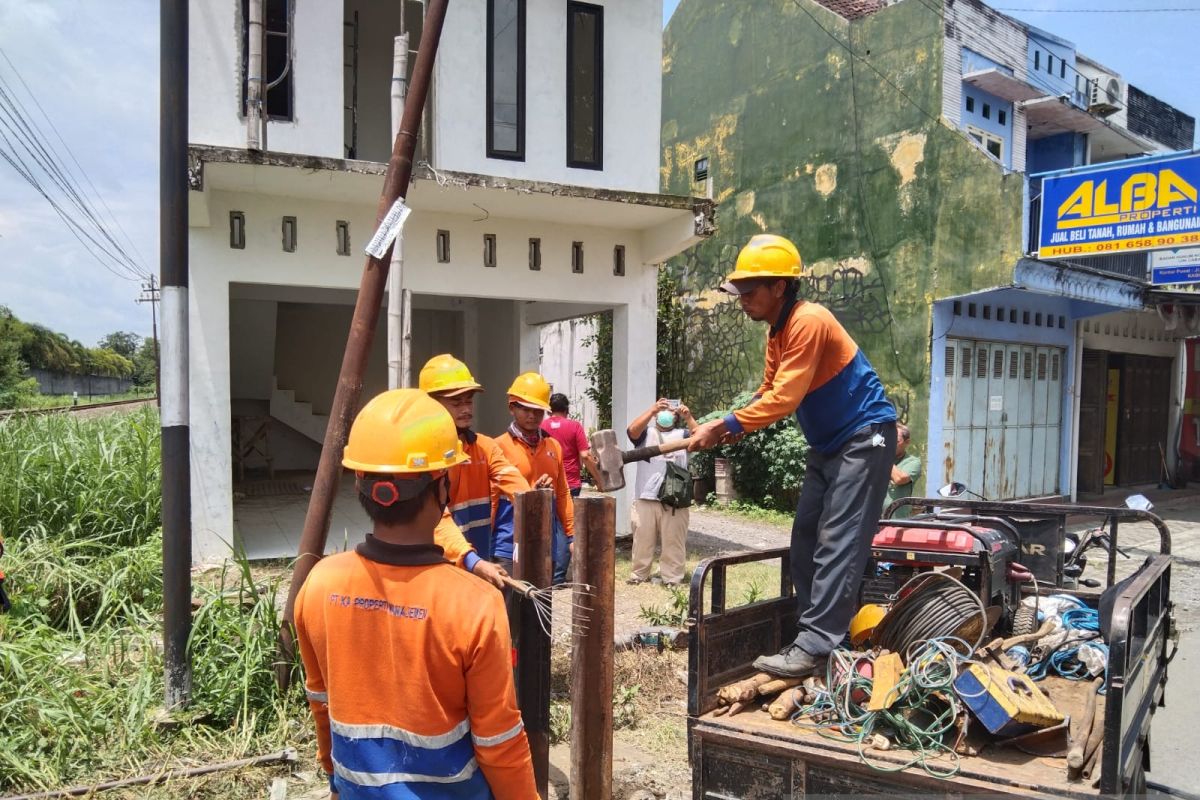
(985, 548)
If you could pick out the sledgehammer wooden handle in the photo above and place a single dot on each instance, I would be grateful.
(647, 453)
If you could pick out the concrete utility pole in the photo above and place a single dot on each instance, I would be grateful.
(362, 332)
(256, 128)
(173, 397)
(398, 323)
(150, 294)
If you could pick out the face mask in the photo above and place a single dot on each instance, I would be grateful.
(666, 419)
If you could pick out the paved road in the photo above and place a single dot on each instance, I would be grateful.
(1172, 750)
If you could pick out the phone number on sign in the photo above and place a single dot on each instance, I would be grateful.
(1124, 245)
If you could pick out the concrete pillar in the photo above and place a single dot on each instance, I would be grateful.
(210, 426)
(634, 370)
(530, 336)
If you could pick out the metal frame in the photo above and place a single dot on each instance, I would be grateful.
(492, 152)
(598, 83)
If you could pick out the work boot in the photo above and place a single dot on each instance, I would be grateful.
(791, 662)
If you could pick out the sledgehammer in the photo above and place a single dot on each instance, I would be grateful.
(611, 459)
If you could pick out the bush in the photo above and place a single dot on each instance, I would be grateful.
(768, 464)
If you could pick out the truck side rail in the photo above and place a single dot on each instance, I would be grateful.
(1142, 626)
(723, 641)
(1058, 511)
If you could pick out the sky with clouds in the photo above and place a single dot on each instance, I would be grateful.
(94, 68)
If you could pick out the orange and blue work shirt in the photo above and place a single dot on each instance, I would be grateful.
(481, 493)
(408, 671)
(814, 368)
(534, 462)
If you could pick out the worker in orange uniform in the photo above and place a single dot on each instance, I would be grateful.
(816, 371)
(481, 491)
(539, 458)
(407, 659)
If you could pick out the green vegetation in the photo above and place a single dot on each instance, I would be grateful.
(748, 510)
(768, 464)
(80, 653)
(674, 615)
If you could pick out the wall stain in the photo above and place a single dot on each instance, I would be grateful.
(825, 179)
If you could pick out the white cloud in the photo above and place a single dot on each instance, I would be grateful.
(93, 68)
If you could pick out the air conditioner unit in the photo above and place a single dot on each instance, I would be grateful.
(1106, 94)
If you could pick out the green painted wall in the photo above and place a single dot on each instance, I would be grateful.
(890, 208)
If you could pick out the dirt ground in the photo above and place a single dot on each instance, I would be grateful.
(650, 742)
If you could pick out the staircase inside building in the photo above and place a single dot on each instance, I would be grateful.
(297, 414)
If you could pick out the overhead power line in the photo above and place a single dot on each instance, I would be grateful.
(25, 147)
(1103, 10)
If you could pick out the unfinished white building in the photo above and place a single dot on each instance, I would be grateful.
(534, 201)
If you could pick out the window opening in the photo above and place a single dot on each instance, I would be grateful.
(981, 363)
(585, 86)
(277, 57)
(997, 363)
(289, 234)
(619, 260)
(970, 105)
(489, 250)
(966, 362)
(577, 257)
(237, 230)
(950, 350)
(443, 247)
(535, 254)
(1002, 117)
(506, 79)
(342, 229)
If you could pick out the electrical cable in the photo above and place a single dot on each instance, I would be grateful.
(931, 611)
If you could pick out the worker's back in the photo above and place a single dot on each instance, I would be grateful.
(413, 660)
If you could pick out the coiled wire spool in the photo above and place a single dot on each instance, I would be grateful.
(938, 607)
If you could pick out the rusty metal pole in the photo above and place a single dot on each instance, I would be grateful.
(592, 649)
(362, 332)
(532, 512)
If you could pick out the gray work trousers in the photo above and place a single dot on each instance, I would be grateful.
(836, 518)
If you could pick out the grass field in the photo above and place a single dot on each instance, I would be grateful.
(81, 668)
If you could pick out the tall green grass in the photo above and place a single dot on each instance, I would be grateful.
(81, 667)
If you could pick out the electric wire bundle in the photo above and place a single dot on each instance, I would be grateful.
(922, 709)
(938, 607)
(1063, 659)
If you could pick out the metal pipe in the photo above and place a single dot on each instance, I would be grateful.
(395, 310)
(254, 75)
(592, 649)
(362, 333)
(173, 257)
(283, 756)
(532, 512)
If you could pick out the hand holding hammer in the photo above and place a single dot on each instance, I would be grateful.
(611, 459)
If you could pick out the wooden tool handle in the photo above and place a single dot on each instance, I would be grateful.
(647, 453)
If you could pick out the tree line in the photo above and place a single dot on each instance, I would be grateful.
(26, 345)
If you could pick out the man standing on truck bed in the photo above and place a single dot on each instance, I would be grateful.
(814, 368)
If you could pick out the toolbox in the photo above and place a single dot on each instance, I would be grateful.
(1007, 703)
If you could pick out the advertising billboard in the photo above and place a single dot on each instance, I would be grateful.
(1149, 205)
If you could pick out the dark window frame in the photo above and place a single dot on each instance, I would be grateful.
(598, 11)
(489, 250)
(970, 104)
(492, 152)
(288, 79)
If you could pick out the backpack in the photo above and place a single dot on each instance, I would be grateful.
(676, 488)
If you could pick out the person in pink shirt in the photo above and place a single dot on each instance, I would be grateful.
(569, 433)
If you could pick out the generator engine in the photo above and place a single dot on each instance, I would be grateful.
(987, 550)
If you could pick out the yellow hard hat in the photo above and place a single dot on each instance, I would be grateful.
(445, 374)
(530, 389)
(765, 256)
(864, 622)
(403, 431)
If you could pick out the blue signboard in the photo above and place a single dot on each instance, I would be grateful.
(1168, 275)
(1149, 205)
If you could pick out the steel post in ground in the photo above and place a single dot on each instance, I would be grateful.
(362, 333)
(592, 649)
(532, 513)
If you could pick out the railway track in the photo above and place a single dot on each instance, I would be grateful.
(32, 412)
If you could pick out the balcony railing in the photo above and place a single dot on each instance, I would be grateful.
(1125, 265)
